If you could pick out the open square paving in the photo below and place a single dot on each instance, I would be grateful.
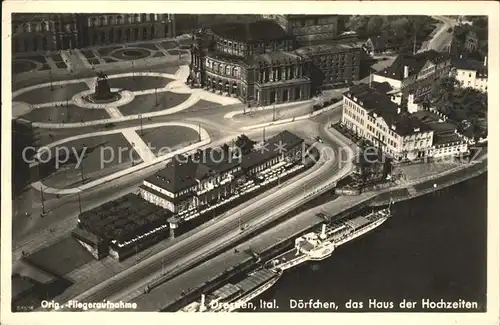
(47, 94)
(135, 83)
(65, 114)
(102, 155)
(166, 139)
(148, 103)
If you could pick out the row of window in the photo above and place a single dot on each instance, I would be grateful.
(222, 69)
(116, 20)
(43, 26)
(118, 35)
(313, 21)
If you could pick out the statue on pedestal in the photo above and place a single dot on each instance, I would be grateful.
(102, 89)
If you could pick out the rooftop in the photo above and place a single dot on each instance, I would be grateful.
(278, 57)
(449, 139)
(471, 65)
(183, 172)
(262, 30)
(327, 48)
(124, 218)
(273, 147)
(414, 62)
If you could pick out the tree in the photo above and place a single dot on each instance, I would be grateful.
(245, 144)
(443, 88)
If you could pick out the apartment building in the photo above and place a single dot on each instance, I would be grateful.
(373, 116)
(471, 73)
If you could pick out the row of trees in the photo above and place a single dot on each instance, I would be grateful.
(397, 27)
(467, 106)
(479, 27)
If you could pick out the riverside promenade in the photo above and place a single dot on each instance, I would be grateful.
(188, 286)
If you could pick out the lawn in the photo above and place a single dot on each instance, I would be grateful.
(103, 156)
(168, 45)
(46, 95)
(149, 46)
(20, 66)
(131, 54)
(169, 138)
(61, 257)
(138, 82)
(104, 51)
(70, 114)
(147, 103)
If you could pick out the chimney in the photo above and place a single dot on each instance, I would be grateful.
(406, 72)
(485, 60)
(323, 231)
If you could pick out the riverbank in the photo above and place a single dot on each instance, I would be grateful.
(229, 264)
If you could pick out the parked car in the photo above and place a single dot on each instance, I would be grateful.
(450, 30)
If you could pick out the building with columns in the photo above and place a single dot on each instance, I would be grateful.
(46, 32)
(106, 28)
(257, 63)
(49, 32)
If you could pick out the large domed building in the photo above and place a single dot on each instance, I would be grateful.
(258, 63)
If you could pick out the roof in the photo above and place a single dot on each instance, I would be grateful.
(262, 30)
(124, 218)
(183, 172)
(415, 63)
(381, 42)
(471, 65)
(327, 48)
(449, 139)
(273, 147)
(273, 58)
(180, 173)
(442, 127)
(380, 104)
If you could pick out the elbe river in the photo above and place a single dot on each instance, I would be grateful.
(434, 247)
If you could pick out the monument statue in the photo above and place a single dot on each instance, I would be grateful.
(102, 89)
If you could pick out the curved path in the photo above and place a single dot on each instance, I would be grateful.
(176, 86)
(146, 154)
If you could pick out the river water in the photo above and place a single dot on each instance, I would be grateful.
(434, 247)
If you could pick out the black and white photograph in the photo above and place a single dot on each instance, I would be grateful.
(249, 158)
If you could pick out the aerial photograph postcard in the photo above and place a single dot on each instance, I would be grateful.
(248, 162)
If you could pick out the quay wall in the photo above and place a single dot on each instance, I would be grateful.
(378, 199)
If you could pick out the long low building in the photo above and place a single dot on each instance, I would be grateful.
(191, 182)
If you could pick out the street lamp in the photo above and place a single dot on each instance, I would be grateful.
(140, 119)
(42, 198)
(51, 85)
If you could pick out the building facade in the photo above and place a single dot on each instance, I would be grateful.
(309, 29)
(415, 74)
(332, 64)
(256, 62)
(39, 33)
(471, 74)
(210, 176)
(374, 117)
(105, 28)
